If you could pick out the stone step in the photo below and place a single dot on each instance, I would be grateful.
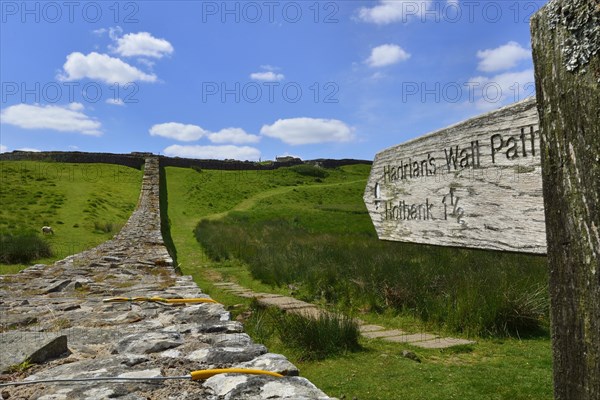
(282, 302)
(370, 328)
(383, 334)
(308, 312)
(410, 338)
(442, 343)
(243, 293)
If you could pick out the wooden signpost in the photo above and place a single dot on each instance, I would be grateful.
(475, 184)
(478, 184)
(565, 38)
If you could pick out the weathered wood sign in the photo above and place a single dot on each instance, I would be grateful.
(475, 184)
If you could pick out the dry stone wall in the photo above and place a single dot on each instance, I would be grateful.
(136, 160)
(55, 315)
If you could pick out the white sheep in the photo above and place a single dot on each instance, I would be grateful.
(47, 229)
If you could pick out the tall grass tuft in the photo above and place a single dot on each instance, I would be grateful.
(473, 292)
(105, 227)
(307, 337)
(318, 338)
(22, 248)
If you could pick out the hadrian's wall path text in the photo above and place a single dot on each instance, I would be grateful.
(475, 184)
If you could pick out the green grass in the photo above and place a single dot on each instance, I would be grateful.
(310, 170)
(308, 339)
(213, 194)
(85, 204)
(491, 369)
(474, 293)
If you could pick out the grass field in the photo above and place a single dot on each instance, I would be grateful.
(496, 367)
(85, 204)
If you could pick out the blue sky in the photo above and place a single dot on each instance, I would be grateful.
(254, 80)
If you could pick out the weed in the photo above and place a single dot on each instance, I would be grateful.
(61, 323)
(20, 368)
(82, 291)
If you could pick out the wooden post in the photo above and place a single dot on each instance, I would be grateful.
(566, 54)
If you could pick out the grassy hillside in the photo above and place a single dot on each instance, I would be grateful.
(271, 228)
(85, 204)
(211, 194)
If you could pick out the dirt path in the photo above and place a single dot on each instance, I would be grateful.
(250, 202)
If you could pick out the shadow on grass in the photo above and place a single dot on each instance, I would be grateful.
(165, 223)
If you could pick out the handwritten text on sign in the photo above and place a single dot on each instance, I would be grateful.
(475, 184)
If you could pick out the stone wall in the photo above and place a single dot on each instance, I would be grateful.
(55, 315)
(136, 160)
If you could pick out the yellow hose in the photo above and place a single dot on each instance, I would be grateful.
(207, 373)
(195, 375)
(160, 300)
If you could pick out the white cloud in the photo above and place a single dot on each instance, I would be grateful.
(233, 135)
(102, 67)
(190, 133)
(377, 76)
(29, 149)
(142, 44)
(503, 57)
(3, 148)
(178, 131)
(68, 118)
(115, 102)
(214, 152)
(386, 54)
(146, 62)
(389, 11)
(296, 131)
(266, 76)
(501, 89)
(99, 32)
